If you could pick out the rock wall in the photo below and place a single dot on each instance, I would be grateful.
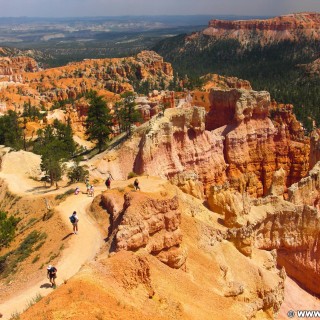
(178, 143)
(292, 227)
(255, 147)
(67, 82)
(11, 68)
(148, 222)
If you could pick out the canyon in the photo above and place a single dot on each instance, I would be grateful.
(228, 207)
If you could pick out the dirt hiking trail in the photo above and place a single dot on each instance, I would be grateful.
(81, 247)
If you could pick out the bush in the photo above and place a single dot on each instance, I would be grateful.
(26, 247)
(77, 174)
(7, 228)
(132, 175)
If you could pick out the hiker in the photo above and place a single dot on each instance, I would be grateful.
(136, 184)
(51, 275)
(88, 186)
(74, 220)
(91, 191)
(108, 181)
(77, 191)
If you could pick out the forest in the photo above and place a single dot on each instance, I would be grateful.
(277, 68)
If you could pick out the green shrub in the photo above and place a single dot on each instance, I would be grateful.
(26, 247)
(77, 174)
(7, 229)
(132, 175)
(36, 258)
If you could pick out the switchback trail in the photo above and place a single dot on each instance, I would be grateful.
(82, 248)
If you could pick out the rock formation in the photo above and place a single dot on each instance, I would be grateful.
(236, 142)
(147, 222)
(107, 76)
(12, 68)
(313, 68)
(287, 27)
(314, 148)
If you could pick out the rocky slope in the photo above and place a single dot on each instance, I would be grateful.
(128, 282)
(107, 76)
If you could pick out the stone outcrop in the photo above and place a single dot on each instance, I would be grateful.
(229, 107)
(307, 190)
(313, 68)
(217, 81)
(236, 142)
(287, 27)
(147, 222)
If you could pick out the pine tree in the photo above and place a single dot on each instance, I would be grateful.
(129, 113)
(99, 121)
(11, 134)
(55, 145)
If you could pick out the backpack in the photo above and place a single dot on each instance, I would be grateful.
(52, 271)
(72, 219)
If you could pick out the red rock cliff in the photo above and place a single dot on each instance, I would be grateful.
(289, 27)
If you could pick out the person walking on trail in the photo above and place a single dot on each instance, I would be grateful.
(88, 186)
(108, 181)
(51, 275)
(74, 220)
(136, 184)
(91, 191)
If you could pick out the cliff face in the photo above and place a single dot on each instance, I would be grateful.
(236, 142)
(289, 27)
(178, 147)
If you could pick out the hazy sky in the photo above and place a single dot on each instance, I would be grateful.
(72, 8)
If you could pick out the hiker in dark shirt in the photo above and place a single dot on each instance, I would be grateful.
(108, 181)
(51, 275)
(136, 184)
(74, 220)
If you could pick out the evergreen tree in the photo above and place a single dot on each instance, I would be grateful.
(64, 133)
(11, 134)
(99, 121)
(55, 145)
(129, 114)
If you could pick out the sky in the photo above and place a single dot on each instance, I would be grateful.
(80, 8)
